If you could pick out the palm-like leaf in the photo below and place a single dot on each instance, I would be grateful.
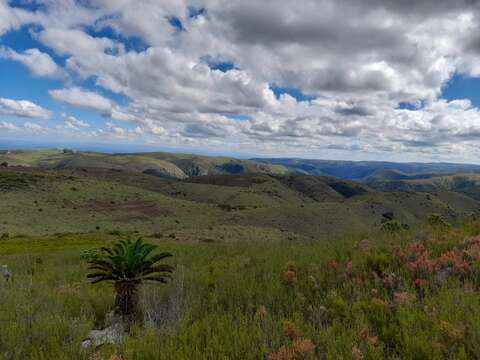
(128, 260)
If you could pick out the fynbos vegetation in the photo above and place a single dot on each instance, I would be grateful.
(406, 295)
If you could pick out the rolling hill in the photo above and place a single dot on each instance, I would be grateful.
(168, 165)
(181, 166)
(55, 191)
(468, 184)
(361, 170)
(58, 200)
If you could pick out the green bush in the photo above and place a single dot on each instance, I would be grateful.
(89, 254)
(437, 221)
(391, 226)
(377, 263)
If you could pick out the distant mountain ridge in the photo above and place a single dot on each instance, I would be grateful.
(168, 165)
(182, 166)
(362, 170)
(464, 183)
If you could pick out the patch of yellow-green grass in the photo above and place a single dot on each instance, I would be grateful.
(133, 163)
(59, 243)
(82, 204)
(29, 158)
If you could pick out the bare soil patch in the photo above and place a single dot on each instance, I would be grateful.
(139, 207)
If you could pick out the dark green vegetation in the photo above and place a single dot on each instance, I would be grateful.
(128, 264)
(267, 265)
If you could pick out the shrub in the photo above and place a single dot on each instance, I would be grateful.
(377, 263)
(391, 226)
(89, 254)
(384, 323)
(338, 308)
(437, 221)
(291, 330)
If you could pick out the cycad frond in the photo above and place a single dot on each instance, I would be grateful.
(103, 278)
(128, 260)
(156, 278)
(163, 268)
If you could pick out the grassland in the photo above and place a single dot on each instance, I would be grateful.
(371, 297)
(43, 202)
(267, 266)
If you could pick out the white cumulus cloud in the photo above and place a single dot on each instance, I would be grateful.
(83, 98)
(37, 62)
(22, 108)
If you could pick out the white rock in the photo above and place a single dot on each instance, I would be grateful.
(113, 334)
(7, 274)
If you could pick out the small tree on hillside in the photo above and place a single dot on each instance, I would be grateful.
(128, 263)
(437, 221)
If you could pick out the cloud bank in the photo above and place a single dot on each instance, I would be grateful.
(310, 77)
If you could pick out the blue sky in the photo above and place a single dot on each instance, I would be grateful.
(462, 87)
(240, 79)
(16, 82)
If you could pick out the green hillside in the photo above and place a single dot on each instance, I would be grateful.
(38, 201)
(467, 184)
(177, 166)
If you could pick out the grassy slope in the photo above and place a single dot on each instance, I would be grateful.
(163, 164)
(27, 158)
(71, 200)
(468, 184)
(62, 202)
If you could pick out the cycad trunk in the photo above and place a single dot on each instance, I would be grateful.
(126, 301)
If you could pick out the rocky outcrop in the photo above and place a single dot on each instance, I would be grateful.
(114, 332)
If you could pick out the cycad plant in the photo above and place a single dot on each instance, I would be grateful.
(128, 263)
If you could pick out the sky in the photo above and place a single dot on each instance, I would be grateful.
(331, 79)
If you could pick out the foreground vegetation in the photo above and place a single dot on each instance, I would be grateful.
(393, 295)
